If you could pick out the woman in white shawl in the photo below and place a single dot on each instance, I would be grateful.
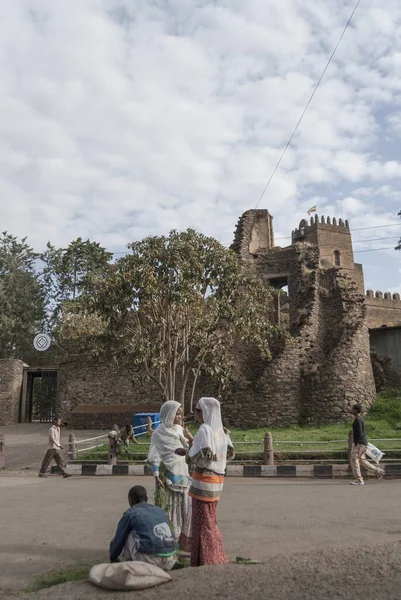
(171, 471)
(208, 456)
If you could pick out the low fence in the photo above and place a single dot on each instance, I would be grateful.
(73, 451)
(271, 450)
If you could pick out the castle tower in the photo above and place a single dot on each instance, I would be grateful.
(332, 238)
(254, 232)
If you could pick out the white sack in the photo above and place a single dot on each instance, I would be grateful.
(129, 575)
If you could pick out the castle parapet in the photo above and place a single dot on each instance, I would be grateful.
(323, 224)
(372, 296)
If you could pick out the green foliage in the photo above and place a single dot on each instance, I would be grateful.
(176, 306)
(69, 272)
(56, 577)
(387, 408)
(22, 302)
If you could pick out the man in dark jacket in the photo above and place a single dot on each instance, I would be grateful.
(144, 533)
(359, 448)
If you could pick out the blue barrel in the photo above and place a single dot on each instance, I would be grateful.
(140, 422)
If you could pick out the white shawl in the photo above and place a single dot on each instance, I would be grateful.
(165, 440)
(211, 435)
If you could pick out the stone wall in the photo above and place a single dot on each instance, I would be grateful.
(386, 376)
(87, 381)
(330, 236)
(383, 309)
(254, 232)
(11, 374)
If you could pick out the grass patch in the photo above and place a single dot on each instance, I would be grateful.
(47, 580)
(382, 421)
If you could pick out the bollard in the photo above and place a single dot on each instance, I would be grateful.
(2, 453)
(72, 447)
(350, 444)
(268, 454)
(112, 457)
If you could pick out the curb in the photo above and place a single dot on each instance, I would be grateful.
(289, 471)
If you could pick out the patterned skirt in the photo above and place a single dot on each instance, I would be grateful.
(207, 542)
(179, 514)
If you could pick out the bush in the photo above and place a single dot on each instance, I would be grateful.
(387, 408)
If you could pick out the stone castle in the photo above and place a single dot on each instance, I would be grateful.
(343, 343)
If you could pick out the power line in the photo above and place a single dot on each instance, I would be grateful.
(308, 103)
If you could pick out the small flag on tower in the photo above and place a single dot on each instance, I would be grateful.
(312, 210)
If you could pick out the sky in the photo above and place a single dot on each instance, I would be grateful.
(126, 118)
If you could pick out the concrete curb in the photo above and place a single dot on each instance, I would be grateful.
(310, 471)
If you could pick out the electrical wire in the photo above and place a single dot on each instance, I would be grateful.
(308, 103)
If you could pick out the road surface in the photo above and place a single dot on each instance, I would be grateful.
(312, 535)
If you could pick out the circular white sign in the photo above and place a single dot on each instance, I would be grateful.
(42, 342)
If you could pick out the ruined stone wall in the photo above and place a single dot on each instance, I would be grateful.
(324, 368)
(325, 365)
(338, 370)
(11, 374)
(254, 232)
(383, 309)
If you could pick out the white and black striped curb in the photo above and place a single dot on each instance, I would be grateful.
(314, 471)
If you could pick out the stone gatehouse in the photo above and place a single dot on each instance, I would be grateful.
(324, 368)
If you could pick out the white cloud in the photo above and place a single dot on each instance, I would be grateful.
(122, 118)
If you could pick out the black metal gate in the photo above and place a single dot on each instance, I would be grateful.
(41, 396)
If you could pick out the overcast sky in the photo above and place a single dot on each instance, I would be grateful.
(124, 118)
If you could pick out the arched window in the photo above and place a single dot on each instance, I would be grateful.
(337, 258)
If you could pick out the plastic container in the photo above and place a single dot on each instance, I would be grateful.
(140, 422)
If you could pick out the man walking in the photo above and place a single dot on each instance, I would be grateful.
(54, 451)
(359, 448)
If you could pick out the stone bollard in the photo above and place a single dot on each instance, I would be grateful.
(113, 447)
(350, 444)
(72, 447)
(2, 452)
(268, 454)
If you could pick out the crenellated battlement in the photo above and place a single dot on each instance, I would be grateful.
(371, 296)
(322, 224)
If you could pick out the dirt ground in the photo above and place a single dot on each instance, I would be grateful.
(318, 539)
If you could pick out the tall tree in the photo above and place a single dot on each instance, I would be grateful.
(177, 306)
(22, 308)
(70, 271)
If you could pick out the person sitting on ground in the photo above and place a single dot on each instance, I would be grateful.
(360, 445)
(144, 533)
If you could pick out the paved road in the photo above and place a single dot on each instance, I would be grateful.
(310, 533)
(26, 443)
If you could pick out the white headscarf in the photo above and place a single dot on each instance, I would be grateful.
(211, 435)
(166, 439)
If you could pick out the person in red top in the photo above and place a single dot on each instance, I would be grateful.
(54, 451)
